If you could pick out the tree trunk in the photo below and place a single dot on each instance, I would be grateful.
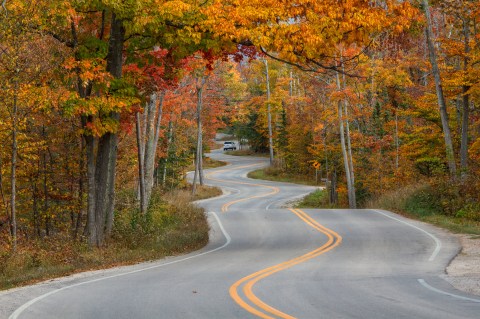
(35, 213)
(13, 169)
(101, 166)
(141, 171)
(154, 119)
(346, 160)
(333, 187)
(199, 154)
(169, 143)
(466, 106)
(81, 189)
(45, 194)
(90, 142)
(349, 144)
(397, 141)
(2, 194)
(350, 187)
(440, 96)
(269, 114)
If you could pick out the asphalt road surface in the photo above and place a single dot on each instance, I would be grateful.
(265, 261)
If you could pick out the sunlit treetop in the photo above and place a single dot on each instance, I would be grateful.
(310, 33)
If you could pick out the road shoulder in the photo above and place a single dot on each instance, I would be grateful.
(464, 271)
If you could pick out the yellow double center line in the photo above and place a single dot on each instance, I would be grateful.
(225, 207)
(263, 310)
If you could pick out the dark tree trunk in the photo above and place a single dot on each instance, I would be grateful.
(101, 164)
(90, 143)
(36, 223)
(81, 189)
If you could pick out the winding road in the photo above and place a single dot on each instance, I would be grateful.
(265, 261)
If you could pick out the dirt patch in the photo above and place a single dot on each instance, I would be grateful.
(464, 271)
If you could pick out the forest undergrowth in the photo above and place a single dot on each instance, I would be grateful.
(172, 226)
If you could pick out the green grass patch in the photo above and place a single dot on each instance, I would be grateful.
(211, 163)
(208, 163)
(426, 203)
(278, 175)
(316, 199)
(204, 192)
(173, 226)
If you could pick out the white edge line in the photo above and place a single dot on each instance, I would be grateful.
(437, 241)
(424, 284)
(23, 307)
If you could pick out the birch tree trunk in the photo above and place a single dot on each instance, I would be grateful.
(141, 170)
(452, 167)
(269, 113)
(349, 144)
(169, 143)
(199, 154)
(153, 121)
(346, 159)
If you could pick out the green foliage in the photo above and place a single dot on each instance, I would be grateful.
(423, 203)
(249, 131)
(316, 199)
(430, 166)
(280, 175)
(444, 204)
(92, 47)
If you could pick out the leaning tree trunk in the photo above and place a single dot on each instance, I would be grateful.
(346, 160)
(269, 113)
(440, 96)
(141, 168)
(349, 143)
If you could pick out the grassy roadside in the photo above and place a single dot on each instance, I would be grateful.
(204, 192)
(277, 175)
(316, 199)
(421, 202)
(174, 226)
(208, 163)
(415, 201)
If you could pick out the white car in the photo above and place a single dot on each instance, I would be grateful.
(229, 146)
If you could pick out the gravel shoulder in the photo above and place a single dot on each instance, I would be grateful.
(464, 271)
